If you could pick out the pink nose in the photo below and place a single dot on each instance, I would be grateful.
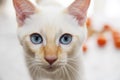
(50, 59)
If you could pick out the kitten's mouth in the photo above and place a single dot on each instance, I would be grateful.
(51, 68)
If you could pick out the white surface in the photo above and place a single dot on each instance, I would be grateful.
(102, 63)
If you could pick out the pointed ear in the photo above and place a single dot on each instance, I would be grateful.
(24, 9)
(79, 10)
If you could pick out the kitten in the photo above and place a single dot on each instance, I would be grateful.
(52, 36)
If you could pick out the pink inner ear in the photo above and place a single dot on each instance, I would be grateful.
(79, 10)
(24, 9)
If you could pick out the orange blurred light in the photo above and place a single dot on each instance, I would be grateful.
(84, 48)
(101, 40)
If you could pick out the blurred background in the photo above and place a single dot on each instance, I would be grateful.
(101, 50)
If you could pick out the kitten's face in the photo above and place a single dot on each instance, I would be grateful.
(51, 37)
(54, 36)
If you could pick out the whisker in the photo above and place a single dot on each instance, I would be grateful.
(72, 69)
(71, 73)
(34, 71)
(73, 58)
(73, 63)
(63, 72)
(67, 73)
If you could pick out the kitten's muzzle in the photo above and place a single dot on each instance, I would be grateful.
(51, 52)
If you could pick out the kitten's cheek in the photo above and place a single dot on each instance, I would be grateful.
(66, 48)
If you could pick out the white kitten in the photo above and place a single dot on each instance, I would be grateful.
(52, 37)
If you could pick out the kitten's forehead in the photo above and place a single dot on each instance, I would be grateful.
(52, 23)
(51, 18)
(51, 32)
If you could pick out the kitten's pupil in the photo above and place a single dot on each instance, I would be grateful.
(66, 38)
(36, 38)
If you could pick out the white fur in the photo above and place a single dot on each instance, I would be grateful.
(56, 20)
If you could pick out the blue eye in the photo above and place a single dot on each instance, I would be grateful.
(65, 39)
(36, 38)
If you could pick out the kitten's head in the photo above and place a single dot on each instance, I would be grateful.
(51, 35)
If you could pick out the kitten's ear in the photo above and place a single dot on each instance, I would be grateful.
(24, 9)
(79, 10)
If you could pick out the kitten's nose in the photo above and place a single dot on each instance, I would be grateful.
(50, 59)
